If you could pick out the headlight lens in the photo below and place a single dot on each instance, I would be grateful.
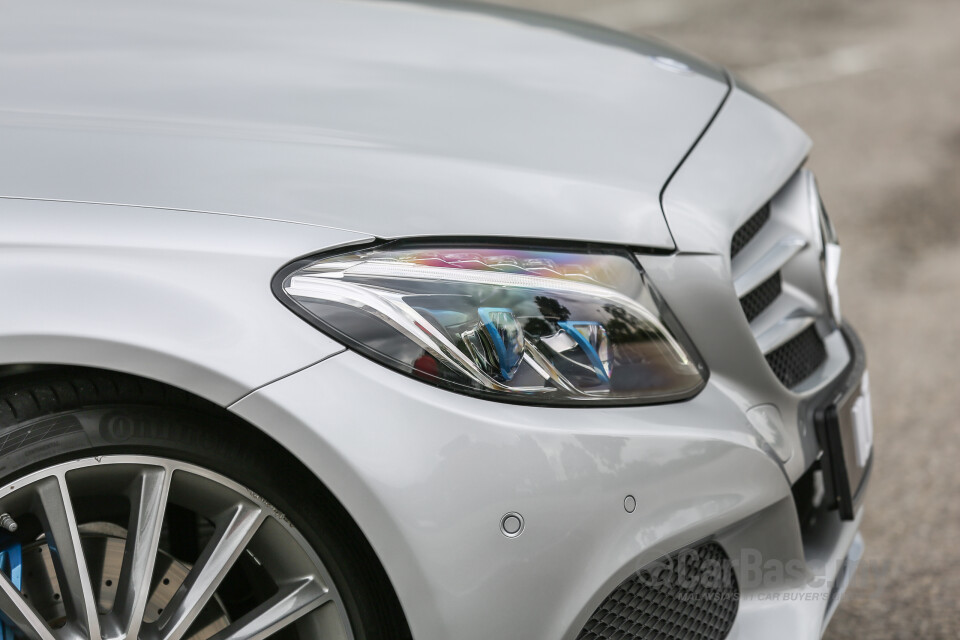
(541, 327)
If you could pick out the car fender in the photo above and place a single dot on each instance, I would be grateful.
(176, 296)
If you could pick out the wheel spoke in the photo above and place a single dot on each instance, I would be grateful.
(230, 539)
(148, 503)
(150, 593)
(21, 614)
(63, 538)
(294, 600)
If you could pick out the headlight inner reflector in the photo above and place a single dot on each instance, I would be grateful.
(542, 327)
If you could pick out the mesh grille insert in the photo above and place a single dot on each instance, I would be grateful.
(749, 229)
(762, 297)
(796, 360)
(692, 595)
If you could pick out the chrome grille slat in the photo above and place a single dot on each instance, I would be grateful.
(789, 304)
(762, 243)
(770, 263)
(784, 331)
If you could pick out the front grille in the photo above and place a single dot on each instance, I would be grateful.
(796, 360)
(692, 595)
(762, 297)
(777, 248)
(749, 229)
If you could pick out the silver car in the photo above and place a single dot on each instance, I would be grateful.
(379, 320)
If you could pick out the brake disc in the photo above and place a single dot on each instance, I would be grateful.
(103, 545)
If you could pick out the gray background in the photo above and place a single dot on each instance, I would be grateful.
(877, 86)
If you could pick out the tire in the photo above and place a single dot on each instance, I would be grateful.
(54, 417)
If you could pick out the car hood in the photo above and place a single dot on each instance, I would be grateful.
(386, 118)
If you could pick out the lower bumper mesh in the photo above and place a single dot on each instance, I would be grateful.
(692, 595)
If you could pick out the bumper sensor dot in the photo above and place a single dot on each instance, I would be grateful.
(511, 525)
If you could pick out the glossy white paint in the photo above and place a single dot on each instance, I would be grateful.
(175, 296)
(390, 118)
(749, 143)
(433, 513)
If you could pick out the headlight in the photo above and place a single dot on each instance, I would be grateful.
(518, 325)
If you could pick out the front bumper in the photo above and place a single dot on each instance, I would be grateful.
(428, 476)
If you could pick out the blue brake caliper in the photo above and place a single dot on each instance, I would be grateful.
(11, 563)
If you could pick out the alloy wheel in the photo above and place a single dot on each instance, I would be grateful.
(118, 547)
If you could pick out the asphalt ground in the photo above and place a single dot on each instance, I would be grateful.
(877, 86)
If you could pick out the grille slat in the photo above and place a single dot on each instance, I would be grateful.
(762, 297)
(797, 359)
(692, 595)
(749, 229)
